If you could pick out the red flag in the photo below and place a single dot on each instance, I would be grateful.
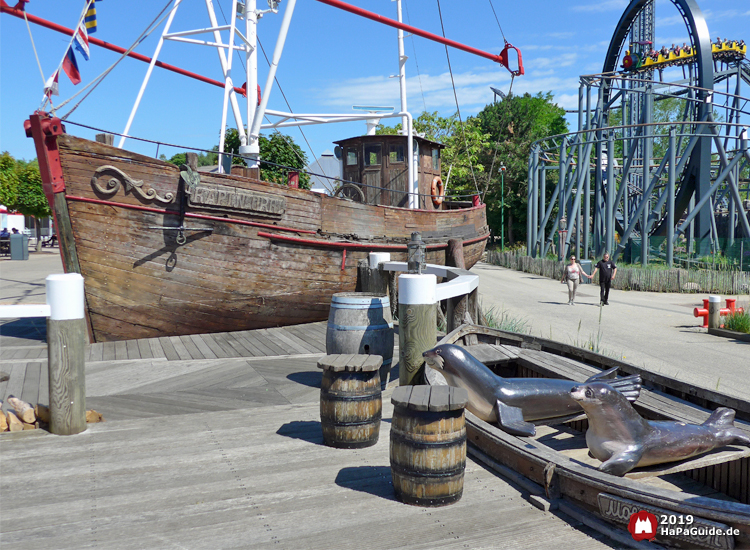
(70, 66)
(51, 86)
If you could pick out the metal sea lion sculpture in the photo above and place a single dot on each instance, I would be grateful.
(514, 402)
(622, 439)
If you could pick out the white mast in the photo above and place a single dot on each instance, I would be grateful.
(255, 122)
(413, 158)
(251, 31)
(401, 68)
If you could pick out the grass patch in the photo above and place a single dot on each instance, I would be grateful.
(738, 322)
(502, 320)
(594, 342)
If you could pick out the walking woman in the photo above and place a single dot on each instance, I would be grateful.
(572, 275)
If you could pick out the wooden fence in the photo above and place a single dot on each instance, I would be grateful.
(635, 278)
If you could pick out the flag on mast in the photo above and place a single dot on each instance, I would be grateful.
(70, 66)
(90, 18)
(51, 87)
(81, 41)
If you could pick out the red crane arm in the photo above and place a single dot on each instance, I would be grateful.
(19, 12)
(502, 58)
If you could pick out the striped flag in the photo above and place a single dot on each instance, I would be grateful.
(70, 66)
(90, 18)
(51, 87)
(81, 41)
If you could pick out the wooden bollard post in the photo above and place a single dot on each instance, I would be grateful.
(458, 307)
(66, 347)
(370, 277)
(714, 311)
(417, 330)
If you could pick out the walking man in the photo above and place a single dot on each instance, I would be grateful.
(607, 275)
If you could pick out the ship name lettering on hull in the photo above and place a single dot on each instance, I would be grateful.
(219, 196)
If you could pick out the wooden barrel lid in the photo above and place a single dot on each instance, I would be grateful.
(350, 362)
(430, 398)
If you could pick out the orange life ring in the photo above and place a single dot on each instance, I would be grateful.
(438, 191)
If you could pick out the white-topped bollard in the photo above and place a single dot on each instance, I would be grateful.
(66, 348)
(417, 324)
(714, 311)
(376, 258)
(370, 278)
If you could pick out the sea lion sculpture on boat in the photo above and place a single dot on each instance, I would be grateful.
(515, 402)
(622, 439)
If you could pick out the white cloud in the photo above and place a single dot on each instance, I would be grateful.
(563, 60)
(671, 20)
(528, 47)
(472, 89)
(568, 34)
(607, 5)
(567, 101)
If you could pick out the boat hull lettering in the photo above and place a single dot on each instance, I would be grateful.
(230, 198)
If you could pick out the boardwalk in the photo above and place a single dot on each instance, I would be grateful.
(214, 441)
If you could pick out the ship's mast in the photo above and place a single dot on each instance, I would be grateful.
(401, 68)
(251, 65)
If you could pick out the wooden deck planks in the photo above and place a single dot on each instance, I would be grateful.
(248, 478)
(168, 347)
(213, 346)
(202, 347)
(192, 349)
(31, 383)
(180, 349)
(14, 385)
(292, 346)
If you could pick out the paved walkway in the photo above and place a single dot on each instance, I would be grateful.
(656, 331)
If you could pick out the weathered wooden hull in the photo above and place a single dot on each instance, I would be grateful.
(555, 466)
(256, 254)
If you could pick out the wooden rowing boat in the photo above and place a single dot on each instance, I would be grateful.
(161, 256)
(555, 467)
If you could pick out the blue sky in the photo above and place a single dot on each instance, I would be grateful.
(332, 60)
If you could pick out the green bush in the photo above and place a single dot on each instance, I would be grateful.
(738, 322)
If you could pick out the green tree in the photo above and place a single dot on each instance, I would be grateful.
(513, 125)
(281, 152)
(464, 144)
(204, 159)
(21, 190)
(429, 125)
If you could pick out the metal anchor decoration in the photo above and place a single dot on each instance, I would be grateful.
(189, 180)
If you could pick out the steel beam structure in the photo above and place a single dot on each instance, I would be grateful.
(655, 184)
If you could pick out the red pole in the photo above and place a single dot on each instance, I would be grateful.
(4, 8)
(414, 30)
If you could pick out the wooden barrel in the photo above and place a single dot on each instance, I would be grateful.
(361, 323)
(350, 400)
(428, 444)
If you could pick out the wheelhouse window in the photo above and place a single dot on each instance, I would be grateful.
(372, 154)
(435, 159)
(351, 156)
(396, 153)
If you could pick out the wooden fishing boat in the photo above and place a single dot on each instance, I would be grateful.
(166, 251)
(162, 257)
(698, 500)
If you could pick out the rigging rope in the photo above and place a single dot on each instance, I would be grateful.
(98, 80)
(33, 46)
(278, 84)
(455, 95)
(416, 64)
(498, 21)
(286, 138)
